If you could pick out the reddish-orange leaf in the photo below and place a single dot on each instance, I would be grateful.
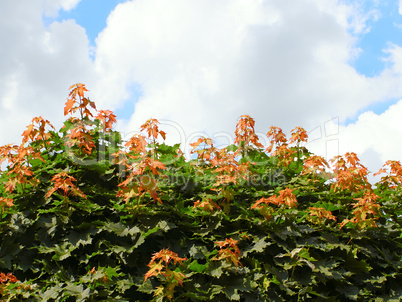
(7, 201)
(298, 135)
(288, 198)
(155, 269)
(68, 108)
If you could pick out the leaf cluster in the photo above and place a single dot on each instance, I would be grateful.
(86, 216)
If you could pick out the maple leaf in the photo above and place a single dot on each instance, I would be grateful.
(137, 143)
(350, 174)
(285, 197)
(107, 119)
(231, 252)
(394, 178)
(164, 255)
(35, 134)
(152, 129)
(245, 132)
(155, 269)
(318, 215)
(7, 278)
(69, 107)
(277, 137)
(10, 185)
(315, 165)
(11, 278)
(63, 182)
(298, 135)
(128, 192)
(206, 152)
(80, 136)
(27, 133)
(148, 182)
(80, 89)
(72, 105)
(159, 291)
(7, 201)
(206, 205)
(288, 198)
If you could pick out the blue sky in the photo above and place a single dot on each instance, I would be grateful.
(90, 14)
(386, 28)
(382, 31)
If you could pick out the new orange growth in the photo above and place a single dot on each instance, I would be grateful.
(136, 187)
(107, 119)
(315, 165)
(229, 251)
(298, 135)
(206, 204)
(152, 129)
(142, 164)
(18, 158)
(245, 133)
(159, 265)
(350, 173)
(137, 144)
(7, 278)
(277, 138)
(318, 215)
(72, 104)
(229, 170)
(6, 201)
(37, 133)
(365, 212)
(207, 152)
(147, 163)
(80, 136)
(282, 150)
(64, 183)
(394, 178)
(286, 197)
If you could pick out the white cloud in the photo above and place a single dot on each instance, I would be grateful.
(69, 4)
(51, 7)
(400, 7)
(285, 63)
(378, 132)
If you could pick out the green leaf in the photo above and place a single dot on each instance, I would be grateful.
(357, 266)
(258, 247)
(120, 229)
(196, 267)
(77, 291)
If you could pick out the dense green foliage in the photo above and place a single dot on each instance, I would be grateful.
(87, 217)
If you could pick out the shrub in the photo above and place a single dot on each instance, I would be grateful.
(88, 217)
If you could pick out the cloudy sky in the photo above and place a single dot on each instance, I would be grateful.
(333, 67)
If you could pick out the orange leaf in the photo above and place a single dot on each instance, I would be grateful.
(154, 270)
(68, 108)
